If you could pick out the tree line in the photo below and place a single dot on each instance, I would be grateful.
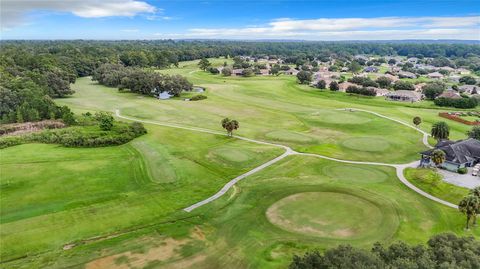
(441, 251)
(139, 80)
(34, 72)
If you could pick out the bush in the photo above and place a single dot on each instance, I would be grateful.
(213, 70)
(81, 136)
(457, 103)
(361, 91)
(105, 120)
(364, 81)
(403, 85)
(462, 170)
(198, 97)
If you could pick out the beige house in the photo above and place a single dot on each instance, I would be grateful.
(435, 75)
(404, 96)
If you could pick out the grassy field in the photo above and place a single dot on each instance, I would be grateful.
(431, 182)
(121, 206)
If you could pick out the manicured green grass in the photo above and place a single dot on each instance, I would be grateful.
(71, 194)
(326, 214)
(128, 199)
(430, 181)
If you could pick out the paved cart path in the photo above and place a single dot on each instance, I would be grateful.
(289, 151)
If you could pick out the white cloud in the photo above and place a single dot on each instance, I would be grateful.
(382, 28)
(14, 12)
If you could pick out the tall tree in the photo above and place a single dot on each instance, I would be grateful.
(438, 156)
(440, 130)
(470, 207)
(354, 67)
(204, 64)
(334, 86)
(474, 132)
(230, 125)
(304, 77)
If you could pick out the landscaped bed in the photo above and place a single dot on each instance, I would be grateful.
(468, 118)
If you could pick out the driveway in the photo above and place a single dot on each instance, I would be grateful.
(467, 180)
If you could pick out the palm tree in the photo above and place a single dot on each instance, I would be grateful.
(230, 125)
(440, 130)
(470, 206)
(438, 157)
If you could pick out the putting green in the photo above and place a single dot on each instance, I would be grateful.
(289, 136)
(354, 173)
(230, 154)
(340, 117)
(371, 144)
(326, 214)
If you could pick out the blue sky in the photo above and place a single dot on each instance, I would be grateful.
(307, 20)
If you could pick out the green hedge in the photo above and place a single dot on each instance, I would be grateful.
(80, 136)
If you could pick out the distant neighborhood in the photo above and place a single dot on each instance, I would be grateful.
(396, 78)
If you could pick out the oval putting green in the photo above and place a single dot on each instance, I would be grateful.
(371, 144)
(340, 117)
(231, 154)
(326, 214)
(288, 136)
(354, 173)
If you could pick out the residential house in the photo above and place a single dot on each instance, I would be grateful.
(450, 94)
(406, 74)
(291, 71)
(412, 60)
(404, 96)
(435, 75)
(391, 77)
(344, 85)
(237, 72)
(379, 91)
(370, 69)
(469, 89)
(459, 154)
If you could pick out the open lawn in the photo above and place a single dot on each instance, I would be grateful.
(431, 181)
(122, 205)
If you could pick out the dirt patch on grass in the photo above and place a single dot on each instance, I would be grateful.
(168, 249)
(165, 251)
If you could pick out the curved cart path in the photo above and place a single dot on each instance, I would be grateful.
(425, 134)
(289, 151)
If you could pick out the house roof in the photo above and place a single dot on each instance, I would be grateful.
(459, 152)
(450, 94)
(403, 93)
(435, 75)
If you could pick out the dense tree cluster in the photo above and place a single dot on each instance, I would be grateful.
(433, 89)
(441, 251)
(363, 81)
(139, 80)
(361, 90)
(464, 102)
(33, 72)
(91, 131)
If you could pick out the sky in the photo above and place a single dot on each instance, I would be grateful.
(243, 20)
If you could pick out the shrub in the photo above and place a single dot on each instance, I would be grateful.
(198, 97)
(213, 70)
(105, 120)
(361, 91)
(80, 136)
(457, 103)
(403, 85)
(462, 170)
